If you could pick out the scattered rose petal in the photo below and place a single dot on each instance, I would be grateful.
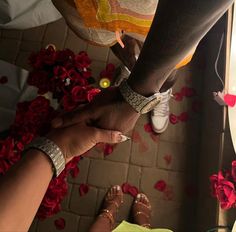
(183, 117)
(60, 223)
(173, 119)
(233, 170)
(125, 187)
(160, 185)
(168, 159)
(196, 106)
(143, 147)
(168, 193)
(178, 96)
(108, 149)
(3, 80)
(83, 189)
(148, 128)
(136, 137)
(133, 191)
(100, 147)
(75, 171)
(154, 137)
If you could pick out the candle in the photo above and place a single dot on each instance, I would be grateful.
(104, 83)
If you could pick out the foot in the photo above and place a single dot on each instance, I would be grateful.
(160, 114)
(142, 210)
(112, 202)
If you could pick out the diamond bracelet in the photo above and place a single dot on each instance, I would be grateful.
(49, 148)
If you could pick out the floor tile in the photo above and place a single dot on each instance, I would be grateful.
(85, 223)
(12, 34)
(134, 175)
(71, 223)
(103, 173)
(9, 49)
(34, 34)
(98, 53)
(83, 205)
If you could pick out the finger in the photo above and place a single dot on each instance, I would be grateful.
(109, 136)
(71, 118)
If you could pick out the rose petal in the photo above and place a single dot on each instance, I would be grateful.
(178, 96)
(168, 159)
(125, 187)
(160, 185)
(173, 119)
(133, 191)
(183, 117)
(83, 189)
(148, 127)
(136, 137)
(60, 223)
(108, 149)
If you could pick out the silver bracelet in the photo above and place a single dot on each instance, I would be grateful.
(49, 148)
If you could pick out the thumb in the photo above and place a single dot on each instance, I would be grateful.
(109, 136)
(70, 118)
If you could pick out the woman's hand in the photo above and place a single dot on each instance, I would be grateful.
(79, 138)
(108, 111)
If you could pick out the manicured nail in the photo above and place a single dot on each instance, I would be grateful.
(117, 187)
(124, 138)
(57, 122)
(138, 196)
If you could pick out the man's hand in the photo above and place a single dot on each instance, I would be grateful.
(108, 111)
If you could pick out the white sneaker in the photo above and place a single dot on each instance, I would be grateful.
(160, 114)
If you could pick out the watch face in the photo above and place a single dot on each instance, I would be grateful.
(150, 105)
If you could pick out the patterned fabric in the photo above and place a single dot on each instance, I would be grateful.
(117, 15)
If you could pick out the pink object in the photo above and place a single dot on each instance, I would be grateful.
(168, 159)
(108, 149)
(173, 119)
(230, 99)
(127, 188)
(183, 117)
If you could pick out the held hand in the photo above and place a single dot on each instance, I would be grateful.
(108, 111)
(77, 139)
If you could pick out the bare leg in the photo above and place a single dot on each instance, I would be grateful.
(105, 221)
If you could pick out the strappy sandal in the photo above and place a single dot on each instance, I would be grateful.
(106, 213)
(139, 212)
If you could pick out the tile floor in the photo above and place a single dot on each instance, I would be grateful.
(141, 162)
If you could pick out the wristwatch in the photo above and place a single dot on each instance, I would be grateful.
(53, 152)
(140, 103)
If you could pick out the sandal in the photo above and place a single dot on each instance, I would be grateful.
(112, 202)
(142, 210)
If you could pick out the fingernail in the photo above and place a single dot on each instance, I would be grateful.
(124, 138)
(56, 122)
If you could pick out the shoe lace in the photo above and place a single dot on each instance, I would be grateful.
(162, 109)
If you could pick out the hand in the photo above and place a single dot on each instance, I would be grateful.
(77, 139)
(108, 111)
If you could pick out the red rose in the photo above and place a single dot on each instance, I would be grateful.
(224, 190)
(4, 166)
(64, 55)
(160, 185)
(82, 61)
(173, 119)
(110, 67)
(3, 80)
(79, 94)
(183, 117)
(38, 104)
(48, 55)
(60, 72)
(233, 170)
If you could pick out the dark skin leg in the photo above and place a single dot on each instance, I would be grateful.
(127, 57)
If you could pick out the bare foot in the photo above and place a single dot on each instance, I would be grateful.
(142, 210)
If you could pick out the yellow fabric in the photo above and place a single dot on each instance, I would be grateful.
(128, 227)
(109, 15)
